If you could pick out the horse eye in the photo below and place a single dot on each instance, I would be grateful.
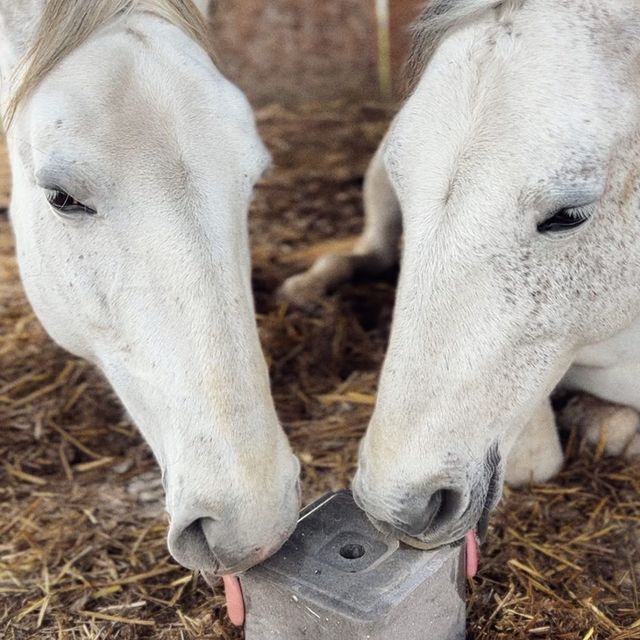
(564, 220)
(64, 203)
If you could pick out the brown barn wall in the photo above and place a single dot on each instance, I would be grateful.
(300, 50)
(403, 13)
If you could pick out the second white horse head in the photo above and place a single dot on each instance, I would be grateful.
(513, 168)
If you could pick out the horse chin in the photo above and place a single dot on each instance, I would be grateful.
(429, 546)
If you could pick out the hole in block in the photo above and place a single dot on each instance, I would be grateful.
(352, 551)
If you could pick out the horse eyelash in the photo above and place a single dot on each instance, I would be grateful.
(578, 213)
(51, 193)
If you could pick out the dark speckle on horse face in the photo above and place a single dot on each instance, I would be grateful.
(138, 35)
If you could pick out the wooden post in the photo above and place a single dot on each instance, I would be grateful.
(298, 50)
(402, 15)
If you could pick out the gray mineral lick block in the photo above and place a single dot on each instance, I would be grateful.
(338, 578)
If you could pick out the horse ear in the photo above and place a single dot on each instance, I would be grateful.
(18, 24)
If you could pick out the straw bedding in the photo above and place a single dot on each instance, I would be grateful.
(82, 529)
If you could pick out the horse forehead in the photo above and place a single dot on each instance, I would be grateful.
(148, 106)
(497, 93)
(130, 88)
(140, 69)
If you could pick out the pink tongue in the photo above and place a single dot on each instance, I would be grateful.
(235, 601)
(473, 553)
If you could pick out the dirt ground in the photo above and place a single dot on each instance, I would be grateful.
(82, 529)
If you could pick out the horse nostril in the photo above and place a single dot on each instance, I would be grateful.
(192, 546)
(195, 534)
(441, 506)
(434, 506)
(421, 520)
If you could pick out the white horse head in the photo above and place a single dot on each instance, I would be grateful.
(134, 161)
(515, 162)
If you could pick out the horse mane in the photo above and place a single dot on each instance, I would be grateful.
(67, 24)
(441, 17)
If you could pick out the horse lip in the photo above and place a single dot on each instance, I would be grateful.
(211, 576)
(389, 530)
(492, 495)
(253, 560)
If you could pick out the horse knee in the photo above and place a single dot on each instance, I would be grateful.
(537, 453)
(632, 451)
(601, 423)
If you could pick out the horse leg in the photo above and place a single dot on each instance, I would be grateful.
(376, 250)
(613, 427)
(537, 454)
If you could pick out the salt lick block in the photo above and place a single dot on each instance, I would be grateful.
(338, 578)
